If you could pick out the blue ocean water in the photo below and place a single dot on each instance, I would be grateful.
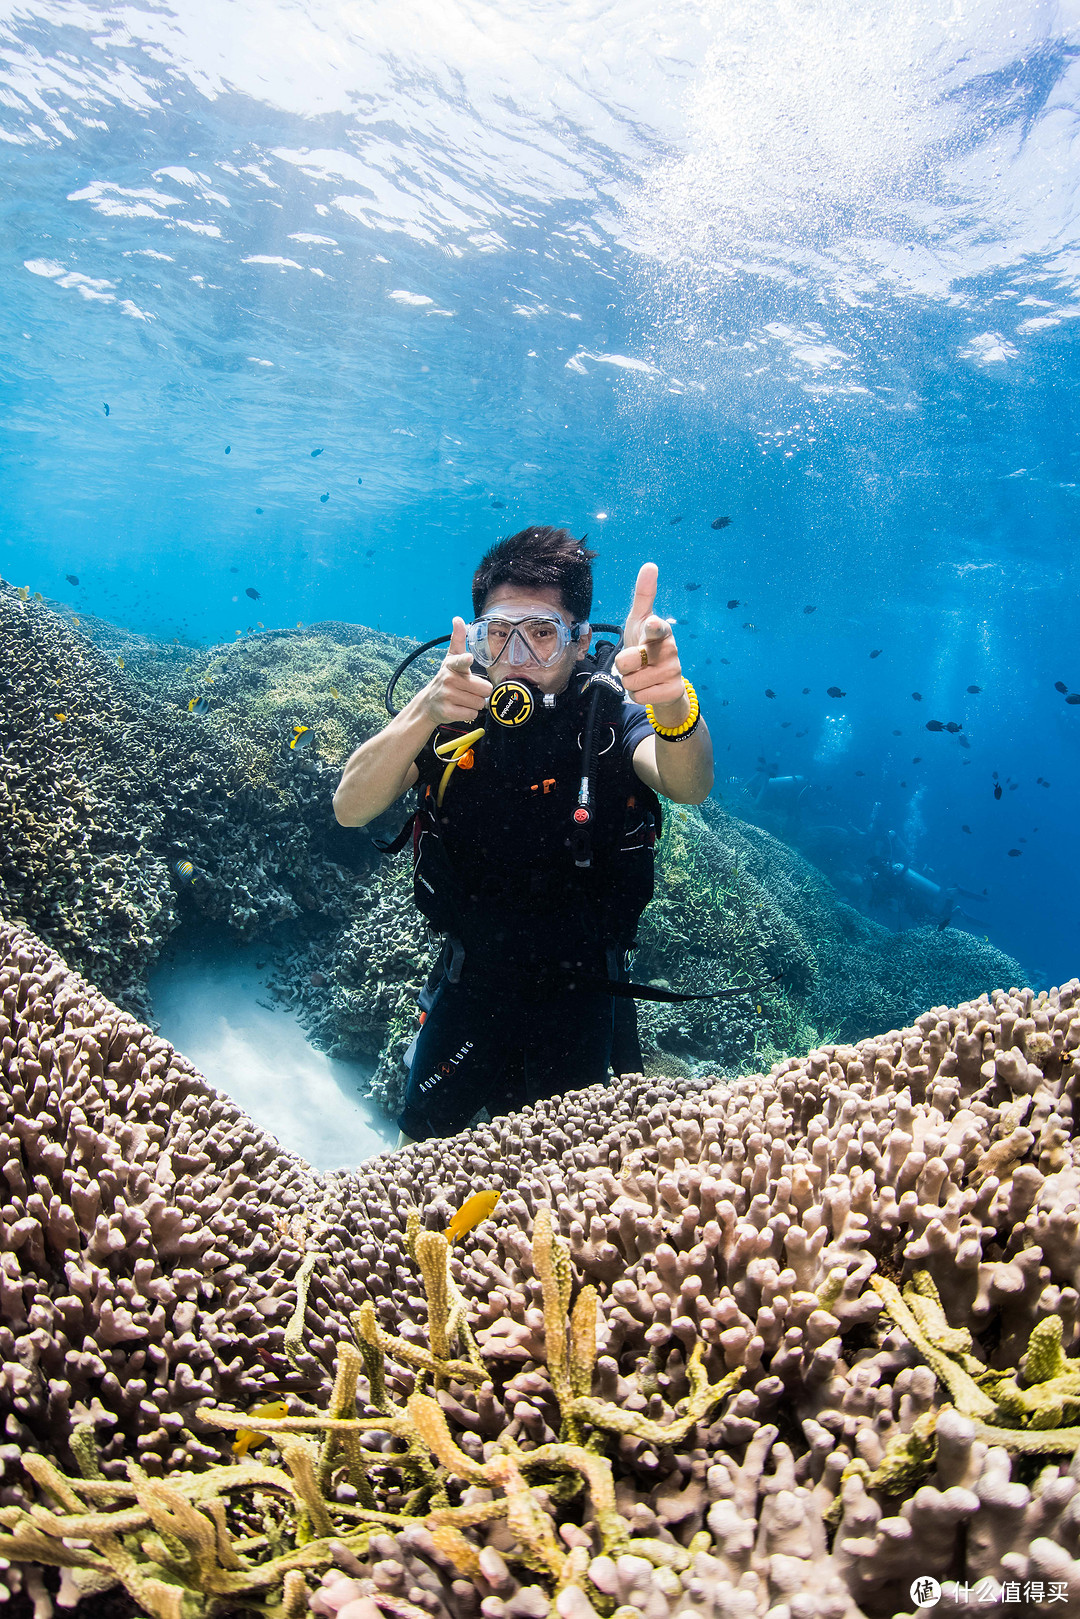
(318, 300)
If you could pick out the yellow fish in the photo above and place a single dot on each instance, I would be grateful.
(247, 1438)
(75, 622)
(260, 624)
(23, 592)
(759, 1011)
(120, 660)
(38, 597)
(299, 623)
(474, 1209)
(61, 718)
(334, 692)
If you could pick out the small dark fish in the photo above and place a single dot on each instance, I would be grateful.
(995, 775)
(1073, 697)
(498, 505)
(252, 592)
(732, 604)
(809, 609)
(228, 449)
(370, 553)
(1059, 685)
(727, 661)
(785, 725)
(1014, 853)
(1013, 785)
(72, 578)
(673, 520)
(917, 759)
(258, 511)
(952, 727)
(934, 725)
(749, 626)
(1024, 840)
(965, 829)
(806, 691)
(898, 733)
(691, 586)
(359, 480)
(943, 924)
(721, 522)
(973, 691)
(234, 570)
(964, 743)
(769, 692)
(860, 772)
(106, 409)
(314, 453)
(903, 784)
(998, 790)
(800, 733)
(917, 696)
(324, 498)
(876, 652)
(708, 660)
(834, 691)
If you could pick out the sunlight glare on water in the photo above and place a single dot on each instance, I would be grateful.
(365, 287)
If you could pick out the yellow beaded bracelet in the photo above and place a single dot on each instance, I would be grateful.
(678, 733)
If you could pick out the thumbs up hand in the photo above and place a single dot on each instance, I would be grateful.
(455, 693)
(649, 662)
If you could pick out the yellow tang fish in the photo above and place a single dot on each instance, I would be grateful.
(75, 622)
(476, 1208)
(759, 1009)
(247, 1438)
(38, 597)
(23, 593)
(61, 718)
(120, 660)
(334, 692)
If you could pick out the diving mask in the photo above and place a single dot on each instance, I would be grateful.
(520, 639)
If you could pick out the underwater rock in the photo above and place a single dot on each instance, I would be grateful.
(838, 1297)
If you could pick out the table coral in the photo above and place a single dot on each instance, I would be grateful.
(781, 1436)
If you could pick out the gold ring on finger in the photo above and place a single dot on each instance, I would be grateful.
(644, 657)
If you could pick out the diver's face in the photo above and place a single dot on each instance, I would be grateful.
(514, 600)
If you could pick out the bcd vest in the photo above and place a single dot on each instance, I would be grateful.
(494, 865)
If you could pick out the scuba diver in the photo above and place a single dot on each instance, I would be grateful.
(537, 768)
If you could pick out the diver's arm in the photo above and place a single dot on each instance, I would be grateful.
(651, 673)
(383, 767)
(682, 771)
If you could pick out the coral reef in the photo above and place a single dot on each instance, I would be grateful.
(772, 1347)
(108, 780)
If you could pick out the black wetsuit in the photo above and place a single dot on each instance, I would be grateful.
(528, 1017)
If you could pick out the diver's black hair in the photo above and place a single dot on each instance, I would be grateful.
(550, 558)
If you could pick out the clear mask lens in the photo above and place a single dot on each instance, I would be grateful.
(517, 643)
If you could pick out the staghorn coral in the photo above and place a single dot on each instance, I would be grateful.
(702, 1236)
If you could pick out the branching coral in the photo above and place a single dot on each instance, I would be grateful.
(785, 1427)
